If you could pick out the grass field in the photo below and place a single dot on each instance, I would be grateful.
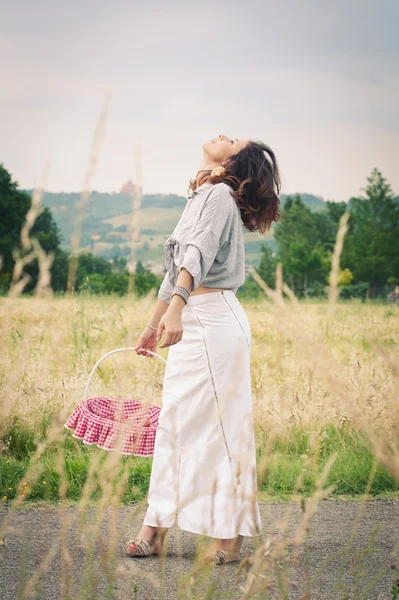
(325, 392)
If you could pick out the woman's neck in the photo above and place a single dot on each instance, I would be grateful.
(206, 166)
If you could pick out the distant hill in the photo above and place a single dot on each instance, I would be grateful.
(107, 219)
(313, 202)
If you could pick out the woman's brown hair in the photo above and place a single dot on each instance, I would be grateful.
(255, 181)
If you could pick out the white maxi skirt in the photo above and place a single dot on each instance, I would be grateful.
(204, 460)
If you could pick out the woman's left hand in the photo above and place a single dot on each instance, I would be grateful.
(171, 323)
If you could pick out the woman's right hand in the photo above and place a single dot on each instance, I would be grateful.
(147, 341)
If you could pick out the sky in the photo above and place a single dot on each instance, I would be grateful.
(316, 80)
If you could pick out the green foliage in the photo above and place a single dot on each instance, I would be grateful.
(119, 264)
(267, 266)
(336, 210)
(96, 275)
(371, 249)
(250, 289)
(294, 463)
(110, 283)
(305, 242)
(357, 290)
(369, 262)
(14, 206)
(145, 280)
(345, 277)
(316, 290)
(20, 440)
(315, 203)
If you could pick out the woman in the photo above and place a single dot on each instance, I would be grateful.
(204, 461)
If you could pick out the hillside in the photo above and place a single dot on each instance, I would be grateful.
(108, 218)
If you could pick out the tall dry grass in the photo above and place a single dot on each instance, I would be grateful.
(94, 155)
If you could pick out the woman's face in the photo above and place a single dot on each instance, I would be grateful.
(222, 147)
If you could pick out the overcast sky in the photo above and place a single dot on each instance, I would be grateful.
(316, 80)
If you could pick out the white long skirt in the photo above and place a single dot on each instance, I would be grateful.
(204, 461)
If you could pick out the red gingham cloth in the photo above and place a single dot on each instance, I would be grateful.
(100, 421)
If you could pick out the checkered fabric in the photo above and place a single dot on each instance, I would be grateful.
(115, 423)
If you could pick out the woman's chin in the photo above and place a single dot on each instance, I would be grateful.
(207, 145)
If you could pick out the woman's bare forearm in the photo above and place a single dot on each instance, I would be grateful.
(160, 309)
(184, 279)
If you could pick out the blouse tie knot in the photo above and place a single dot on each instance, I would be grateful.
(171, 267)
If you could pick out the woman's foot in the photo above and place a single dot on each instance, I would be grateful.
(226, 550)
(148, 541)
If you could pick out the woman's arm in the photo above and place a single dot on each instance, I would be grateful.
(171, 320)
(160, 309)
(166, 316)
(165, 296)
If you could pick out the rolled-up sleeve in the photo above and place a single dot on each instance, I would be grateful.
(205, 240)
(166, 289)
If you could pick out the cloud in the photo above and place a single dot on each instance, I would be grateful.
(312, 79)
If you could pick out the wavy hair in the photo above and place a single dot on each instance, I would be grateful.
(254, 176)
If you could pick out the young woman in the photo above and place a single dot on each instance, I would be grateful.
(204, 461)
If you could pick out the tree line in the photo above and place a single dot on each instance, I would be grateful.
(94, 274)
(369, 262)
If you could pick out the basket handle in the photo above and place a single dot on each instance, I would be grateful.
(106, 356)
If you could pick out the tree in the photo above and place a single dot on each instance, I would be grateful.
(267, 266)
(371, 248)
(145, 280)
(90, 265)
(119, 264)
(14, 206)
(336, 210)
(305, 243)
(139, 268)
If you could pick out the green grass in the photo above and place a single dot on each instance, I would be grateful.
(294, 463)
(294, 467)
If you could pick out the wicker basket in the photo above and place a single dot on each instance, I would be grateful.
(128, 426)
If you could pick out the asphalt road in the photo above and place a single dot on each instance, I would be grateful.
(71, 555)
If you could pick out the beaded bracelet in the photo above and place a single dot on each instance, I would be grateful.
(181, 291)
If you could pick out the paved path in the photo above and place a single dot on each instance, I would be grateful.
(34, 531)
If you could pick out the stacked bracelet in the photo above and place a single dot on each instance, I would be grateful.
(181, 291)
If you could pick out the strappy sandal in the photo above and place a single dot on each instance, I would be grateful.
(222, 557)
(139, 547)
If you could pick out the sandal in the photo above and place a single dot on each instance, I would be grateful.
(222, 557)
(139, 547)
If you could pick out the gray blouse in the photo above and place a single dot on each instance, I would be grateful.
(207, 241)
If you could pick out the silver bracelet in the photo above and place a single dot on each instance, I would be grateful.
(181, 291)
(152, 327)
